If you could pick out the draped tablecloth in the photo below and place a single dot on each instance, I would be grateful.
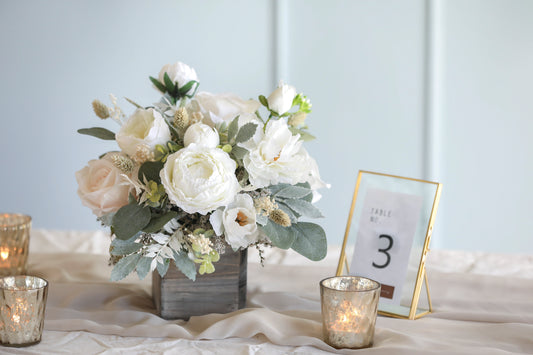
(483, 304)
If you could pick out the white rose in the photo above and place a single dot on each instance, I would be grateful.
(201, 134)
(179, 73)
(143, 127)
(280, 100)
(276, 157)
(237, 221)
(100, 186)
(200, 179)
(218, 108)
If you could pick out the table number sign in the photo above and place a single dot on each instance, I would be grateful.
(389, 225)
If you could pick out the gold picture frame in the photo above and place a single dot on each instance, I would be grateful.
(401, 212)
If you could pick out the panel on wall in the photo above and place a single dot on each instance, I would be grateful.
(487, 120)
(362, 65)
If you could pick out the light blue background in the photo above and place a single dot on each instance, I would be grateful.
(425, 89)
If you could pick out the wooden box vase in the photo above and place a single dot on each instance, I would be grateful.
(177, 297)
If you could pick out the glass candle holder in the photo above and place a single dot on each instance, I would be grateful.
(349, 310)
(22, 307)
(14, 243)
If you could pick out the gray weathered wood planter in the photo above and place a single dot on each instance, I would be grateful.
(224, 291)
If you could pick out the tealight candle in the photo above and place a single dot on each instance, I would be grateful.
(14, 242)
(349, 310)
(22, 307)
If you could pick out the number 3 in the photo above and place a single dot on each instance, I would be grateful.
(384, 251)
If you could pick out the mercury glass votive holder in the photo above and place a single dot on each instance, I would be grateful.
(14, 243)
(22, 307)
(349, 311)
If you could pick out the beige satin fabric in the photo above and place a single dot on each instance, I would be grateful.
(474, 313)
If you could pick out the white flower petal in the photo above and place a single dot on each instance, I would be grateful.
(143, 127)
(199, 179)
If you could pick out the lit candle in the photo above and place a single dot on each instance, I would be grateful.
(14, 242)
(349, 310)
(22, 307)
(4, 255)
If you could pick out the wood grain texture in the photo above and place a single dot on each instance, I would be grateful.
(224, 291)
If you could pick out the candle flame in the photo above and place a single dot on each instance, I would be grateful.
(16, 318)
(348, 318)
(4, 253)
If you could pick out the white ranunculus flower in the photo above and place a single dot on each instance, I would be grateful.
(179, 73)
(200, 179)
(280, 100)
(201, 134)
(218, 108)
(276, 156)
(100, 186)
(143, 127)
(237, 221)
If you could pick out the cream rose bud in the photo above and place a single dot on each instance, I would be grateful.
(218, 108)
(179, 73)
(143, 127)
(100, 188)
(201, 134)
(237, 222)
(200, 179)
(280, 100)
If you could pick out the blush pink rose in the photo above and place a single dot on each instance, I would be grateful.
(100, 186)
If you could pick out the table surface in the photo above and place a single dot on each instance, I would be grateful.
(483, 304)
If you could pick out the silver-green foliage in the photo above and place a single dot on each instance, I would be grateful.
(308, 239)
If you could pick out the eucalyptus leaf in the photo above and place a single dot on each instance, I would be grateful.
(292, 214)
(276, 188)
(292, 191)
(310, 241)
(185, 265)
(233, 128)
(129, 220)
(308, 198)
(304, 184)
(223, 127)
(261, 219)
(239, 152)
(281, 237)
(162, 268)
(124, 247)
(124, 267)
(158, 85)
(246, 132)
(157, 223)
(98, 132)
(304, 208)
(143, 267)
(151, 170)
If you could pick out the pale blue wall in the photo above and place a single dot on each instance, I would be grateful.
(58, 55)
(429, 89)
(487, 124)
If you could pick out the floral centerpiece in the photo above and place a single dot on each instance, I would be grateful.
(198, 173)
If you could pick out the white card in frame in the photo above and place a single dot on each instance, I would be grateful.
(389, 226)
